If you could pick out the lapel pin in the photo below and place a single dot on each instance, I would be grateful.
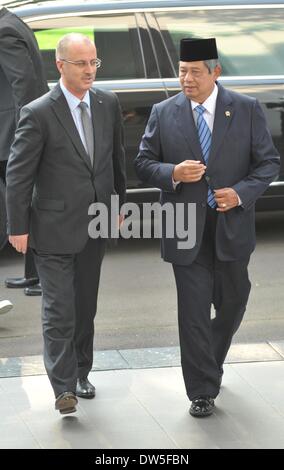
(100, 101)
(227, 113)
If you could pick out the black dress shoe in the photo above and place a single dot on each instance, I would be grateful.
(85, 389)
(66, 403)
(202, 406)
(21, 282)
(33, 290)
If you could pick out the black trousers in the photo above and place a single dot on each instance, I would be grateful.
(30, 267)
(204, 342)
(69, 302)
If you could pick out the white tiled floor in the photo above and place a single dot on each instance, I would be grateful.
(147, 408)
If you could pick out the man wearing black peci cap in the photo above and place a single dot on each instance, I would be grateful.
(211, 147)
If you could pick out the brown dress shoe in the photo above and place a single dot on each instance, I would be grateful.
(66, 403)
(85, 389)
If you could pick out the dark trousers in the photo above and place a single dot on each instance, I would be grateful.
(3, 166)
(204, 342)
(69, 302)
(30, 267)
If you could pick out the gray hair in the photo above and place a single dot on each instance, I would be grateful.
(65, 41)
(211, 64)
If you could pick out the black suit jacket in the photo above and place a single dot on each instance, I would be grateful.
(22, 77)
(242, 156)
(50, 181)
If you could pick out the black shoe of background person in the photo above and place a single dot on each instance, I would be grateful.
(20, 282)
(33, 290)
(202, 406)
(85, 389)
(66, 403)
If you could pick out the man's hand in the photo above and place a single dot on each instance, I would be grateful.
(189, 171)
(19, 242)
(226, 199)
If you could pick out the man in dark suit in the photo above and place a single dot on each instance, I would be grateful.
(68, 153)
(22, 80)
(210, 147)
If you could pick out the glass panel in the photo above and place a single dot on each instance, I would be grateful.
(115, 36)
(250, 41)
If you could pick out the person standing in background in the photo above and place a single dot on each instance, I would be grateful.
(22, 79)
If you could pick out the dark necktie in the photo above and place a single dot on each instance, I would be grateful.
(88, 130)
(205, 143)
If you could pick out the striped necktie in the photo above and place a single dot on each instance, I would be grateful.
(88, 130)
(205, 143)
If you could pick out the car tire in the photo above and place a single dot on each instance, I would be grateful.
(3, 215)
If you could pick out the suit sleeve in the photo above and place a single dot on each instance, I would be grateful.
(149, 164)
(265, 161)
(21, 171)
(119, 155)
(18, 68)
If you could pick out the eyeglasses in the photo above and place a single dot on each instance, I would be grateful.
(81, 64)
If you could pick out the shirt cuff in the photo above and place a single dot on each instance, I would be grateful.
(175, 183)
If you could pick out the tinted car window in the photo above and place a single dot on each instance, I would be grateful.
(116, 39)
(250, 41)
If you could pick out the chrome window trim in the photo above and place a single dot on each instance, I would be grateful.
(130, 85)
(154, 84)
(143, 190)
(268, 78)
(156, 190)
(126, 10)
(276, 183)
(271, 78)
(140, 45)
(238, 80)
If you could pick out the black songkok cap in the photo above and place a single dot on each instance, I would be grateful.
(198, 49)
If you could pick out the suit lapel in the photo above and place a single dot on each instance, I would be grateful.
(64, 115)
(97, 110)
(223, 117)
(185, 122)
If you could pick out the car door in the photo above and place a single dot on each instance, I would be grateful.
(129, 67)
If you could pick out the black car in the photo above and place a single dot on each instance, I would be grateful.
(138, 42)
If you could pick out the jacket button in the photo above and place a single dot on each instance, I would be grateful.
(203, 204)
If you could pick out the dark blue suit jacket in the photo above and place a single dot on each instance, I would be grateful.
(242, 156)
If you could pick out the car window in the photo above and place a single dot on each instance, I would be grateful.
(116, 39)
(250, 41)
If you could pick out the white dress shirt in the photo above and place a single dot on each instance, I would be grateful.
(210, 107)
(73, 103)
